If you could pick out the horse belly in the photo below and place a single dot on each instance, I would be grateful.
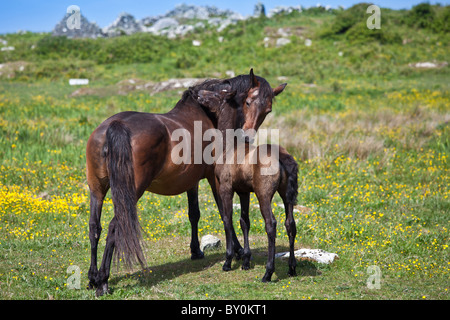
(177, 180)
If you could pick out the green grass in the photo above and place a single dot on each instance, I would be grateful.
(370, 134)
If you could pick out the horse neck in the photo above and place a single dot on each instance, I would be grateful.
(189, 108)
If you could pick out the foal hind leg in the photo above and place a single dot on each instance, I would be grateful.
(245, 226)
(271, 230)
(291, 230)
(194, 216)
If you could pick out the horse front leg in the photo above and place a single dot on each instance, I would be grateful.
(194, 217)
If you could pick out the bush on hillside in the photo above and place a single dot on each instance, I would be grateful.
(352, 24)
(426, 16)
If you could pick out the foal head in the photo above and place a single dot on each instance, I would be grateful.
(258, 103)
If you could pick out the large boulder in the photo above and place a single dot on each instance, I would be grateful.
(86, 30)
(125, 24)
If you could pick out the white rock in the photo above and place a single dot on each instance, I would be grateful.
(308, 42)
(77, 82)
(318, 255)
(163, 23)
(209, 242)
(230, 73)
(428, 65)
(282, 42)
(196, 43)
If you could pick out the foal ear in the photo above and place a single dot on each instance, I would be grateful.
(253, 79)
(279, 89)
(208, 98)
(227, 95)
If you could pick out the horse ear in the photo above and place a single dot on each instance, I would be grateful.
(279, 89)
(255, 82)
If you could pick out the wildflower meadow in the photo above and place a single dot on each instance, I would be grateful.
(370, 133)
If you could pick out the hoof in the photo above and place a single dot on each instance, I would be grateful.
(102, 290)
(267, 278)
(292, 273)
(197, 255)
(245, 267)
(226, 266)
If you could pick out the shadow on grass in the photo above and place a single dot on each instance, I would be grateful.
(154, 274)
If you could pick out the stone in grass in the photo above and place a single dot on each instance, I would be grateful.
(318, 255)
(209, 242)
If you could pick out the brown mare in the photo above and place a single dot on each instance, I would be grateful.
(263, 172)
(130, 153)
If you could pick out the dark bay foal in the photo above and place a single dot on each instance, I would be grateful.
(264, 170)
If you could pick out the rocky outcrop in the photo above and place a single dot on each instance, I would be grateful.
(125, 24)
(87, 29)
(177, 22)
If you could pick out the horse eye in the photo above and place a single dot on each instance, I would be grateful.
(247, 103)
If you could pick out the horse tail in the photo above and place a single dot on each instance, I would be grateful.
(291, 167)
(119, 158)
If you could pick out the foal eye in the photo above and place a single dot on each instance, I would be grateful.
(247, 103)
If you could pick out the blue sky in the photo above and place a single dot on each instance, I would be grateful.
(33, 15)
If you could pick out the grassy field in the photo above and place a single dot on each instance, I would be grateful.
(370, 133)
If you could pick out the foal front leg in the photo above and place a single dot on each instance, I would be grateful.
(227, 218)
(245, 226)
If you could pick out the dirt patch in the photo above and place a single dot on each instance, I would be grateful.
(127, 86)
(10, 69)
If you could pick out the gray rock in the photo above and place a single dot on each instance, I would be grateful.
(210, 242)
(259, 11)
(318, 255)
(125, 24)
(87, 29)
(163, 24)
(283, 10)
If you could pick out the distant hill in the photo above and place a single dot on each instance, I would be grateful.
(177, 22)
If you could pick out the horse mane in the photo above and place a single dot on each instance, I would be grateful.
(241, 84)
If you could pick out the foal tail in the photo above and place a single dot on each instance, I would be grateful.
(291, 167)
(119, 158)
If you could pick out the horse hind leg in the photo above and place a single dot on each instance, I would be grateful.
(95, 229)
(194, 217)
(104, 272)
